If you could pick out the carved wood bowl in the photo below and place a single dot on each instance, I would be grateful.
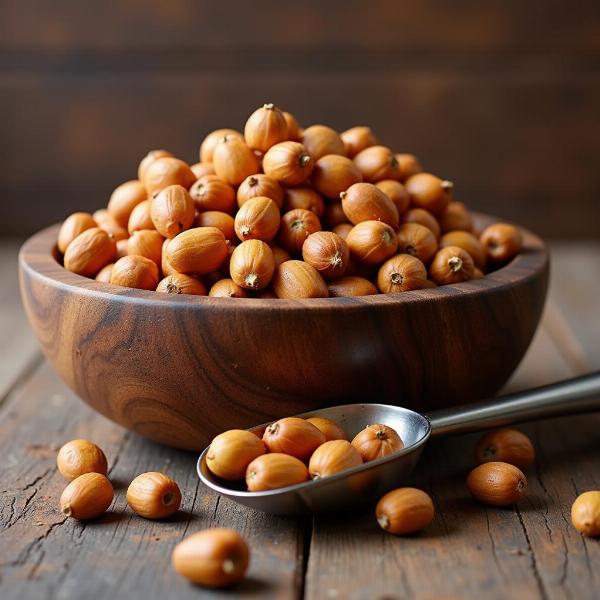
(181, 369)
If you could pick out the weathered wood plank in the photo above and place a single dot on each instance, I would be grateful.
(471, 551)
(19, 351)
(575, 289)
(121, 555)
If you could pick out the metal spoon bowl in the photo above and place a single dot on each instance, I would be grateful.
(371, 480)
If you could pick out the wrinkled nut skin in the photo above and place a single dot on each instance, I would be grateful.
(408, 165)
(178, 283)
(231, 452)
(585, 513)
(154, 495)
(303, 197)
(220, 220)
(294, 436)
(396, 192)
(208, 145)
(346, 287)
(401, 273)
(497, 483)
(456, 217)
(334, 214)
(343, 229)
(148, 243)
(166, 267)
(280, 255)
(212, 193)
(334, 174)
(201, 169)
(417, 240)
(423, 217)
(376, 441)
(501, 241)
(172, 211)
(136, 272)
(275, 470)
(293, 126)
(234, 160)
(296, 225)
(252, 265)
(288, 163)
(87, 497)
(213, 558)
(124, 199)
(429, 192)
(257, 219)
(107, 222)
(468, 242)
(265, 127)
(227, 288)
(149, 159)
(89, 252)
(505, 445)
(105, 273)
(140, 217)
(123, 245)
(197, 251)
(297, 279)
(327, 252)
(166, 171)
(404, 510)
(357, 139)
(451, 265)
(330, 429)
(377, 163)
(72, 226)
(332, 457)
(260, 184)
(78, 457)
(320, 140)
(365, 202)
(372, 242)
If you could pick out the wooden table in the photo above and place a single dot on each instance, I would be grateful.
(469, 551)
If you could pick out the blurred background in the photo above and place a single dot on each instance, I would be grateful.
(501, 96)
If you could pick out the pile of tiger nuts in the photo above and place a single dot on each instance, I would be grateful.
(291, 451)
(287, 446)
(215, 557)
(284, 212)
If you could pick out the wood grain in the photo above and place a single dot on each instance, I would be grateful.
(119, 555)
(181, 370)
(468, 552)
(19, 352)
(471, 551)
(576, 293)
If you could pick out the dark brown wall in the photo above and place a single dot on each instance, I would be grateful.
(501, 96)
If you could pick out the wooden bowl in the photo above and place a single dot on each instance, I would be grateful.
(181, 369)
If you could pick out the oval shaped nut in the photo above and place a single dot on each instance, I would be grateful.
(89, 252)
(172, 211)
(72, 226)
(197, 251)
(87, 497)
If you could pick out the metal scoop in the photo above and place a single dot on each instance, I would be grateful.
(371, 480)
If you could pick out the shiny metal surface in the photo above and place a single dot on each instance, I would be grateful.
(578, 395)
(354, 486)
(371, 480)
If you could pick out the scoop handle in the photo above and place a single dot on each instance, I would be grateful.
(577, 395)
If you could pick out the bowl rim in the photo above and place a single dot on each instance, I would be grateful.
(37, 257)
